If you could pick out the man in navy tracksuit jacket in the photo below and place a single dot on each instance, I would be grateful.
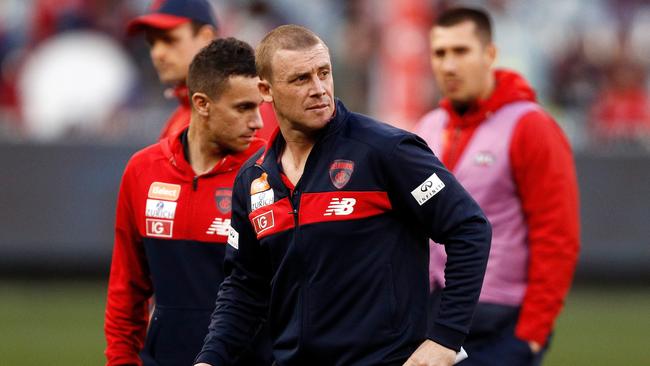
(336, 256)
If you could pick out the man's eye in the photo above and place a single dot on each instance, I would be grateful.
(243, 108)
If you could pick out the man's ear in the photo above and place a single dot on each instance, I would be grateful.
(491, 53)
(265, 89)
(207, 33)
(201, 103)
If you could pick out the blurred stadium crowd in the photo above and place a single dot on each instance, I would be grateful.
(68, 72)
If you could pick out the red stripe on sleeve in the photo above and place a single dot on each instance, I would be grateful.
(273, 218)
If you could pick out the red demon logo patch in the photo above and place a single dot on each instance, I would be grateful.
(223, 198)
(341, 172)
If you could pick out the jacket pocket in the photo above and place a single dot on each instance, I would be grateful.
(153, 332)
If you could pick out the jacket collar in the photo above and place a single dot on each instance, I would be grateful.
(276, 142)
(181, 92)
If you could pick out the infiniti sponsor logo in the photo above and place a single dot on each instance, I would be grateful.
(427, 189)
(426, 185)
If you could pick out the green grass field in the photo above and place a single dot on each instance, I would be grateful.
(60, 323)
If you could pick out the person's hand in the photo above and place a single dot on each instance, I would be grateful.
(431, 353)
(535, 347)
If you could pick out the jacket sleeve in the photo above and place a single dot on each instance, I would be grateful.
(447, 214)
(129, 285)
(243, 297)
(544, 171)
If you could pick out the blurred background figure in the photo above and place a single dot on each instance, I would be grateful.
(568, 49)
(588, 60)
(64, 71)
(72, 85)
(513, 158)
(620, 114)
(175, 30)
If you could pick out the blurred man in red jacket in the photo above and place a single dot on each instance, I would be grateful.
(517, 164)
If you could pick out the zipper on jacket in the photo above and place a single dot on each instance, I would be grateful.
(195, 183)
(294, 206)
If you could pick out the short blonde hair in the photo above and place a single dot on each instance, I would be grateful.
(285, 37)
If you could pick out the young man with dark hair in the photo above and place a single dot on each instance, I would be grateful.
(173, 216)
(517, 164)
(330, 229)
(176, 30)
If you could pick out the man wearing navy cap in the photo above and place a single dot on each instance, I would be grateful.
(176, 30)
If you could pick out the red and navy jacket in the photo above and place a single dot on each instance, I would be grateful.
(340, 261)
(170, 234)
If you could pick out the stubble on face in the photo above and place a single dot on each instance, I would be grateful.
(234, 114)
(172, 51)
(461, 63)
(303, 89)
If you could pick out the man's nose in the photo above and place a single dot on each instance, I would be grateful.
(256, 122)
(318, 86)
(157, 50)
(448, 64)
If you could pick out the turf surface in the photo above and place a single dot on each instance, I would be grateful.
(60, 323)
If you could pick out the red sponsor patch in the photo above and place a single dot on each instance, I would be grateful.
(273, 218)
(341, 172)
(223, 198)
(263, 222)
(164, 191)
(160, 228)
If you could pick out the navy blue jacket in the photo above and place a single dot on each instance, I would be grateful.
(339, 264)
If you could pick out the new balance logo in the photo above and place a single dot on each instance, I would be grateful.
(219, 227)
(340, 207)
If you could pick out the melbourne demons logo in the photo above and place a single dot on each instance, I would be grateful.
(223, 198)
(341, 172)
